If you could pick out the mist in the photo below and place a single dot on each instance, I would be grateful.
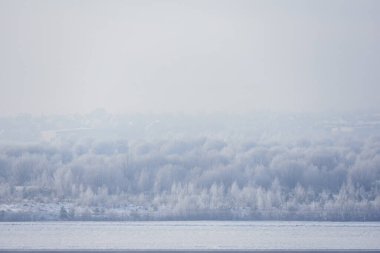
(69, 57)
(102, 166)
(189, 110)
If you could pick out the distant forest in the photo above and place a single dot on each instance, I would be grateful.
(330, 176)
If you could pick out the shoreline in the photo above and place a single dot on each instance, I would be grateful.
(188, 250)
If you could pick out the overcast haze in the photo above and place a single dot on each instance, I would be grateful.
(189, 110)
(189, 56)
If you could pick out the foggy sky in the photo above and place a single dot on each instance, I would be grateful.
(189, 56)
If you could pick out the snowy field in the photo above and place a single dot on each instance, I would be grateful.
(191, 235)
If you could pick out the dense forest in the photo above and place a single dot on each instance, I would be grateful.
(329, 176)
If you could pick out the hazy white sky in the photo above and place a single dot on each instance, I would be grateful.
(189, 56)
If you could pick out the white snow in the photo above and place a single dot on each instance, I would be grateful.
(190, 235)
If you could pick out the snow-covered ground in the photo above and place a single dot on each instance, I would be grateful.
(53, 211)
(190, 235)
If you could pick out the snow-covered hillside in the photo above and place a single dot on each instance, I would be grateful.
(259, 166)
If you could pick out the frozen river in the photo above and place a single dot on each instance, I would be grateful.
(190, 235)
